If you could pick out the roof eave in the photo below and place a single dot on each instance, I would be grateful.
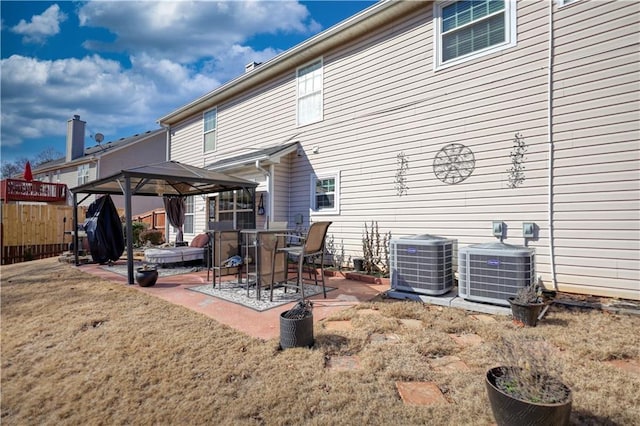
(353, 27)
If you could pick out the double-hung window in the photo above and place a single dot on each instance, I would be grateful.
(210, 119)
(188, 215)
(83, 174)
(468, 29)
(309, 82)
(325, 193)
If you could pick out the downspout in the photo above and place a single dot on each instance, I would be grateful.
(268, 175)
(550, 148)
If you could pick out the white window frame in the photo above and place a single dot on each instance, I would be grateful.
(561, 3)
(336, 193)
(189, 211)
(83, 174)
(317, 91)
(510, 36)
(206, 131)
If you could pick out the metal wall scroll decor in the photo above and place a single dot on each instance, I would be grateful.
(454, 163)
(401, 174)
(516, 172)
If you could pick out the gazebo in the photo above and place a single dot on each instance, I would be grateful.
(168, 179)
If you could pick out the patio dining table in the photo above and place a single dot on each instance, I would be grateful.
(258, 260)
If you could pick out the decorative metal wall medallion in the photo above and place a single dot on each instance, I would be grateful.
(454, 163)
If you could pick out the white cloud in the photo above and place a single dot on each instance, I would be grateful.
(178, 51)
(39, 96)
(41, 26)
(190, 31)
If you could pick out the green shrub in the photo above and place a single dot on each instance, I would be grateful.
(138, 228)
(154, 236)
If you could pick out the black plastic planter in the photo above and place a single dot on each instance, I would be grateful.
(146, 277)
(526, 313)
(296, 332)
(509, 411)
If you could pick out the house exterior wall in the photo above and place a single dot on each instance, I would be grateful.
(383, 100)
(146, 151)
(596, 185)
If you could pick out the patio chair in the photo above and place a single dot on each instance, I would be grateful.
(312, 247)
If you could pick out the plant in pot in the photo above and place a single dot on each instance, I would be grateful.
(146, 275)
(527, 304)
(528, 387)
(296, 326)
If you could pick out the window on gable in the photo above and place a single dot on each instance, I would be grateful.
(310, 93)
(83, 174)
(325, 192)
(468, 29)
(210, 126)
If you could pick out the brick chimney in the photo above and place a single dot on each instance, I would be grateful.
(75, 138)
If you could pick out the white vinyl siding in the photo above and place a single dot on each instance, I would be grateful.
(378, 101)
(310, 93)
(210, 124)
(468, 29)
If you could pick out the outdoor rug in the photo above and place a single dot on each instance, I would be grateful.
(234, 292)
(121, 269)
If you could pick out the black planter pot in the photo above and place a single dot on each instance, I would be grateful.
(296, 332)
(358, 264)
(146, 277)
(526, 313)
(508, 410)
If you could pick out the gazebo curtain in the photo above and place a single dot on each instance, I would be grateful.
(175, 208)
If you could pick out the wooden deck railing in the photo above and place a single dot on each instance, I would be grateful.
(21, 190)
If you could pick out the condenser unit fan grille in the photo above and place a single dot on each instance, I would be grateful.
(492, 276)
(422, 266)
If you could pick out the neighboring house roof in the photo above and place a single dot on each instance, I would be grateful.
(358, 25)
(167, 178)
(268, 155)
(97, 151)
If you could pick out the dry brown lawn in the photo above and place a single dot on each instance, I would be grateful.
(80, 350)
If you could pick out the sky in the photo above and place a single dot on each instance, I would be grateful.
(121, 65)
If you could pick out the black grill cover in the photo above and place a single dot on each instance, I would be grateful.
(104, 231)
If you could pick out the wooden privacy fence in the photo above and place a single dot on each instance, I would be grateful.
(153, 219)
(36, 231)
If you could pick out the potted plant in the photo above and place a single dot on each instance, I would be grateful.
(527, 304)
(146, 275)
(528, 388)
(296, 326)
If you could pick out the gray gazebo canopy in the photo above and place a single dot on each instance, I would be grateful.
(169, 179)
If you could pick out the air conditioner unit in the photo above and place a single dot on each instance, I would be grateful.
(421, 264)
(494, 272)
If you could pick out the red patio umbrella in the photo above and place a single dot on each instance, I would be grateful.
(28, 176)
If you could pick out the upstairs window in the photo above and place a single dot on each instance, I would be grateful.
(468, 29)
(83, 174)
(310, 93)
(210, 125)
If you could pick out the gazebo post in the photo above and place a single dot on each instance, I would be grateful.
(129, 227)
(74, 233)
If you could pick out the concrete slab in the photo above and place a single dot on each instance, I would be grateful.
(344, 363)
(466, 339)
(452, 300)
(420, 393)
